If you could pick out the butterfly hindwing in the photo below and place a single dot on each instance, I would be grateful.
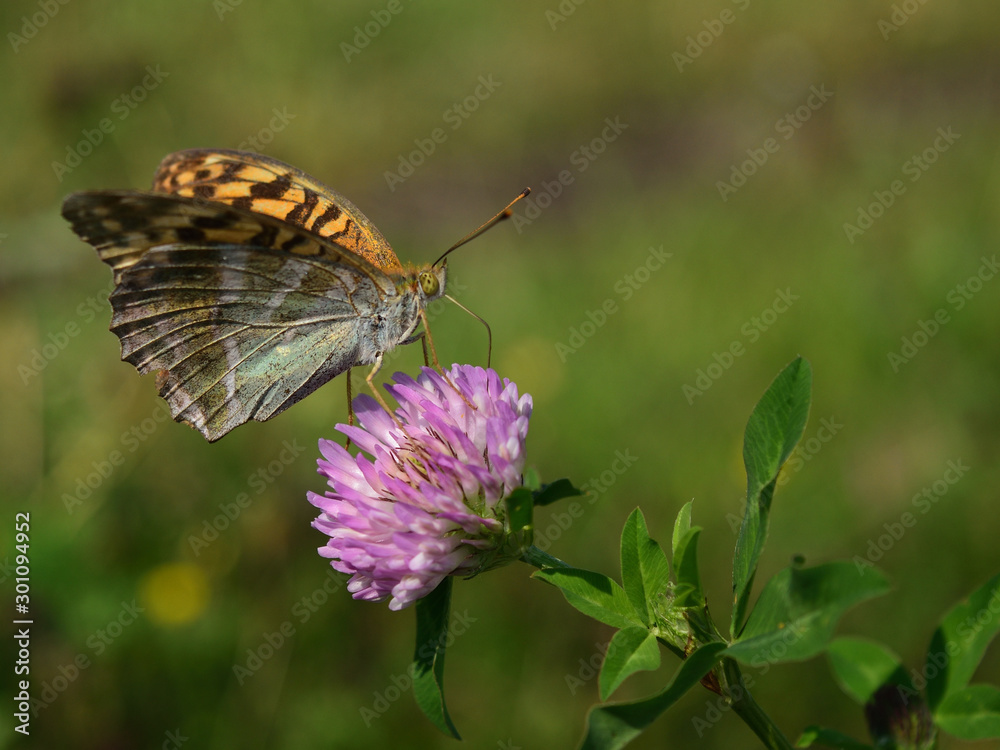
(241, 315)
(226, 357)
(267, 186)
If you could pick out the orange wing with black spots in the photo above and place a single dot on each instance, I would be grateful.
(244, 284)
(239, 314)
(263, 185)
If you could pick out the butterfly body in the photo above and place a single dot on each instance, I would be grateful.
(245, 284)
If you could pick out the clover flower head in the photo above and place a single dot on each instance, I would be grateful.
(427, 500)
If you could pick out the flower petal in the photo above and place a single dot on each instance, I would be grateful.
(424, 503)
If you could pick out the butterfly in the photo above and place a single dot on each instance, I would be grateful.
(246, 284)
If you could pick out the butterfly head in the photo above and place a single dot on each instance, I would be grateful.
(432, 281)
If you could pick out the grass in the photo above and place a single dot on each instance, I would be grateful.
(621, 390)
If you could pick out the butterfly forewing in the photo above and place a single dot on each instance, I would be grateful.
(241, 315)
(123, 224)
(266, 186)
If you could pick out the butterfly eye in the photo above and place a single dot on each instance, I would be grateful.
(429, 283)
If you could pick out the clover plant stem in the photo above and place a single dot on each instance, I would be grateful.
(749, 710)
(534, 556)
(670, 646)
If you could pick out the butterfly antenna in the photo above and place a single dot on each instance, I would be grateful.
(489, 333)
(505, 214)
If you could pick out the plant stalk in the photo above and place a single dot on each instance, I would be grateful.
(534, 556)
(749, 710)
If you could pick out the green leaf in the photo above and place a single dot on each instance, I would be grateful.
(557, 490)
(593, 594)
(798, 610)
(688, 591)
(614, 726)
(631, 650)
(972, 713)
(428, 656)
(959, 643)
(776, 424)
(829, 738)
(530, 479)
(645, 570)
(861, 667)
(681, 526)
(520, 529)
(774, 428)
(519, 511)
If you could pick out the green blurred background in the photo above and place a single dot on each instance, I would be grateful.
(688, 110)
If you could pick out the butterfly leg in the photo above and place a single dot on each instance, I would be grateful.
(350, 407)
(425, 336)
(370, 379)
(423, 345)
